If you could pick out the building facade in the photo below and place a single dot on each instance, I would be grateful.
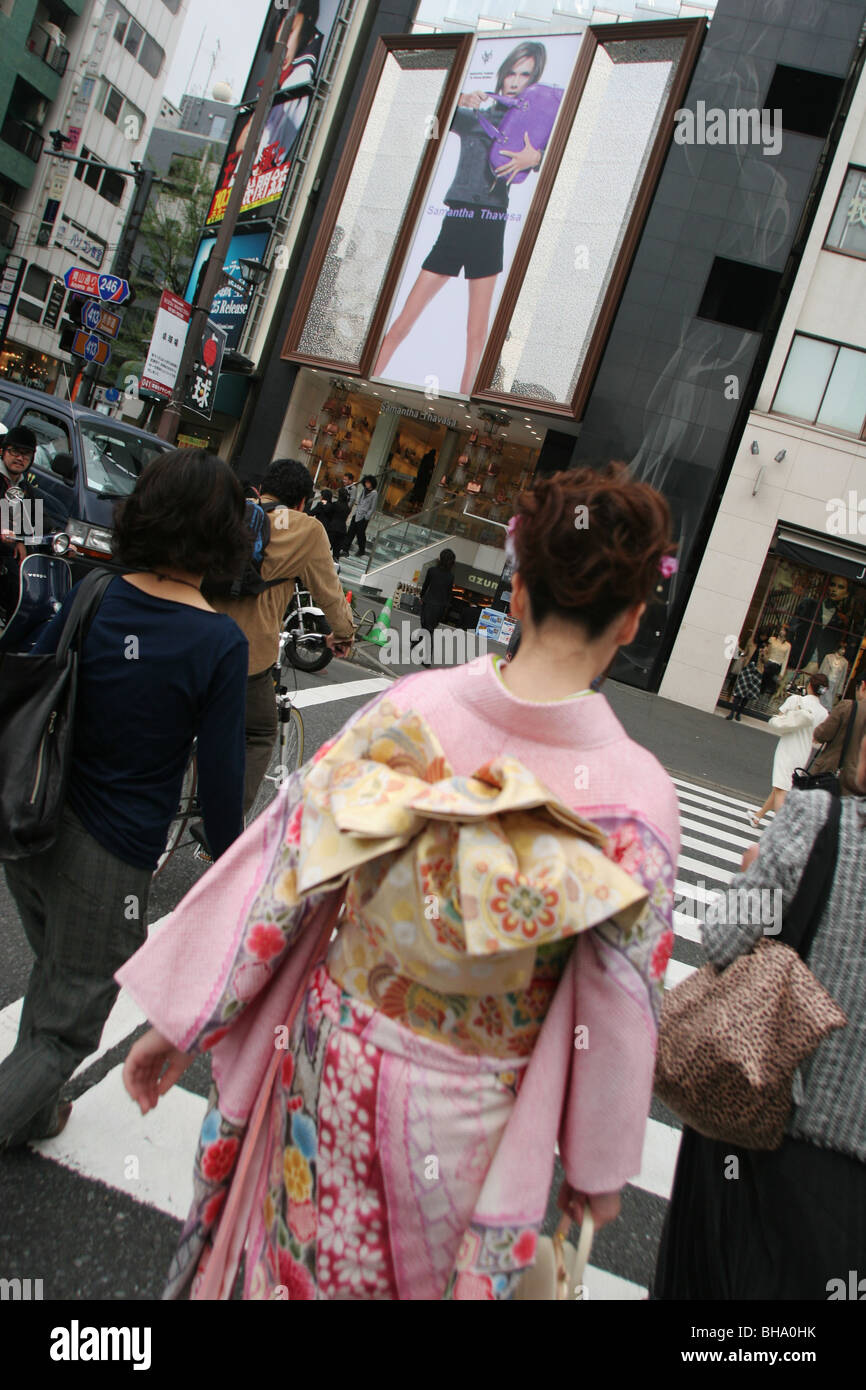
(788, 544)
(105, 102)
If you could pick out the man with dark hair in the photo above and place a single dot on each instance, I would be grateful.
(17, 448)
(298, 549)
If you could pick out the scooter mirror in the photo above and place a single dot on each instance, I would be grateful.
(60, 544)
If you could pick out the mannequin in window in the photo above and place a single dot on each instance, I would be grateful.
(835, 668)
(776, 658)
(821, 624)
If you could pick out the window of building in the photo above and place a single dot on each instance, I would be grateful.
(134, 36)
(172, 5)
(848, 227)
(113, 187)
(825, 384)
(217, 130)
(88, 173)
(739, 294)
(37, 282)
(807, 99)
(151, 56)
(113, 104)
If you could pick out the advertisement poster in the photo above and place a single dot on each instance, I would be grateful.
(166, 345)
(229, 307)
(484, 183)
(307, 31)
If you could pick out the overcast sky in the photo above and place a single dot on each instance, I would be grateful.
(235, 26)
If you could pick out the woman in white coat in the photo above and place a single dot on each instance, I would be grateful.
(797, 720)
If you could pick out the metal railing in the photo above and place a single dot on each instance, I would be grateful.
(431, 526)
(46, 47)
(22, 138)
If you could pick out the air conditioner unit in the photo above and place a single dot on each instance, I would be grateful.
(56, 33)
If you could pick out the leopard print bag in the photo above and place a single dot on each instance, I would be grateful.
(730, 1040)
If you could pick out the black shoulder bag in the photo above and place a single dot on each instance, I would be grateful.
(806, 781)
(37, 711)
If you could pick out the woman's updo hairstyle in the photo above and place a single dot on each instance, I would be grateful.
(587, 544)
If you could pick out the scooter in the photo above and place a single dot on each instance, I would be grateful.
(305, 627)
(44, 580)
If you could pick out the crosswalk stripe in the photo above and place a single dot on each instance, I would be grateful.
(710, 794)
(717, 851)
(697, 806)
(723, 835)
(346, 690)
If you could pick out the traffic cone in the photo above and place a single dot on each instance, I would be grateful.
(349, 596)
(377, 633)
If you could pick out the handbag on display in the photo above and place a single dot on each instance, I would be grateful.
(806, 781)
(530, 115)
(557, 1274)
(37, 710)
(731, 1040)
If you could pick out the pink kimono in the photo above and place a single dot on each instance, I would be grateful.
(493, 987)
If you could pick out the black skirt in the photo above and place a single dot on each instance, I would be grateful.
(792, 1222)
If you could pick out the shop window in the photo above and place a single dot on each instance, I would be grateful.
(848, 228)
(546, 348)
(739, 294)
(807, 100)
(825, 384)
(411, 84)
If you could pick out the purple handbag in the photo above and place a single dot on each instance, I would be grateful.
(531, 114)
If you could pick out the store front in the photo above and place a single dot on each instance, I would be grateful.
(29, 368)
(808, 614)
(443, 469)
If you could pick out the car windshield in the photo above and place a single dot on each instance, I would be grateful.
(114, 458)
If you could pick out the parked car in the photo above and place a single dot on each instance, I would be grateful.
(84, 462)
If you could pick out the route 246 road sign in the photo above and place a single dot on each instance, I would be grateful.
(89, 346)
(100, 320)
(106, 287)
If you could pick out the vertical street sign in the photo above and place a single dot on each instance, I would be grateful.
(10, 284)
(166, 345)
(201, 388)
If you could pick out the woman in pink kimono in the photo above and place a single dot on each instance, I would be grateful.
(498, 860)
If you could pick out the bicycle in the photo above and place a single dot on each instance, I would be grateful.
(286, 758)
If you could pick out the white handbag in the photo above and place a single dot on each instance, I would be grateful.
(559, 1267)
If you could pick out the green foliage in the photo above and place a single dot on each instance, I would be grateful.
(166, 244)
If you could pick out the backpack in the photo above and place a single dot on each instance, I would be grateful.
(249, 583)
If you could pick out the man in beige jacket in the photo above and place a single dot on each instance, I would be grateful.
(298, 548)
(832, 735)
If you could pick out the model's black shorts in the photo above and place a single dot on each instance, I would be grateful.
(470, 238)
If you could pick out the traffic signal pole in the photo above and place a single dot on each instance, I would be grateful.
(212, 279)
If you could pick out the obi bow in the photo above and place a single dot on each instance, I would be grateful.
(449, 871)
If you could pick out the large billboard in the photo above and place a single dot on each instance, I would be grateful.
(229, 307)
(482, 188)
(307, 30)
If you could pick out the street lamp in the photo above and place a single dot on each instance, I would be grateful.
(253, 272)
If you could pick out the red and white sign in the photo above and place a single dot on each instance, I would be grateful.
(166, 345)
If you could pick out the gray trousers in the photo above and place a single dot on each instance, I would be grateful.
(261, 732)
(84, 913)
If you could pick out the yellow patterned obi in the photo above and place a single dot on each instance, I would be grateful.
(464, 893)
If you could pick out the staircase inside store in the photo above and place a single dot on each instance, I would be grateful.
(431, 527)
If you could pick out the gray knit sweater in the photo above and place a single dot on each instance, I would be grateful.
(832, 1112)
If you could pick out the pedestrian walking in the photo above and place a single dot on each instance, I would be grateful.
(831, 735)
(399, 1141)
(336, 524)
(748, 1224)
(795, 724)
(298, 548)
(158, 669)
(436, 594)
(364, 509)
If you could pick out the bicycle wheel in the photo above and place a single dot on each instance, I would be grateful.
(365, 623)
(188, 809)
(286, 758)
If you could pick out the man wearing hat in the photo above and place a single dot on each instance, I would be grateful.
(17, 448)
